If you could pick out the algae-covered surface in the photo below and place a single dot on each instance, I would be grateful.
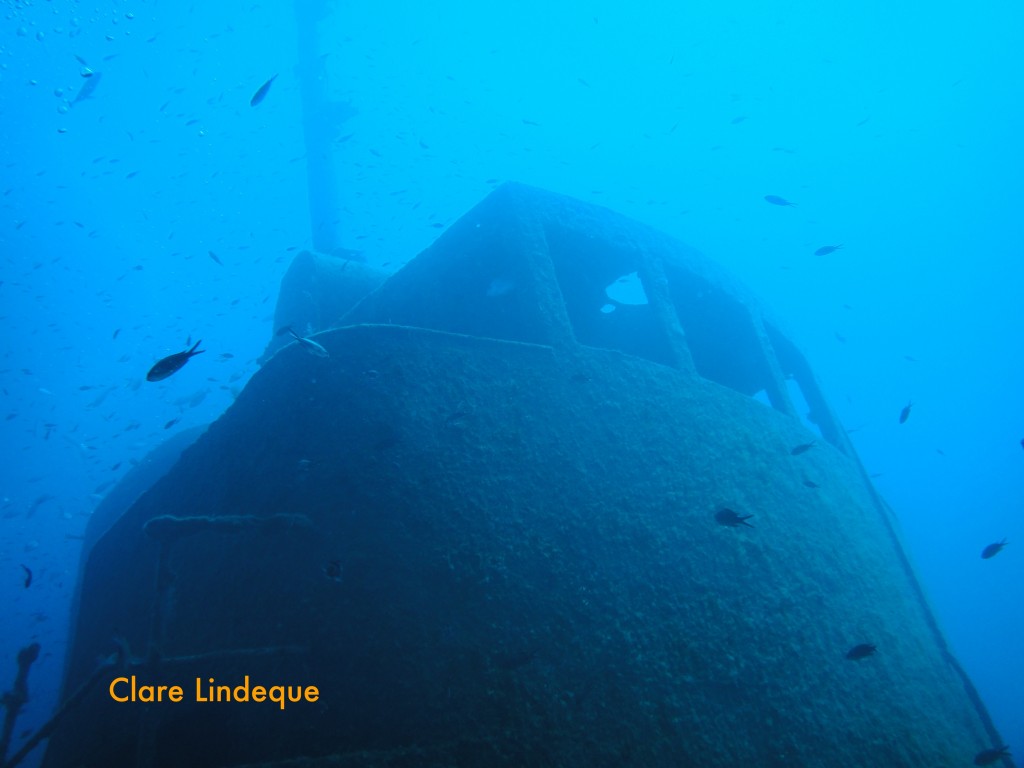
(509, 556)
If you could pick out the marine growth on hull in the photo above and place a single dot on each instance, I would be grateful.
(558, 492)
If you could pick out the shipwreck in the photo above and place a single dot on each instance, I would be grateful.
(488, 529)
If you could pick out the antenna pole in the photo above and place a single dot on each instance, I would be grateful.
(321, 118)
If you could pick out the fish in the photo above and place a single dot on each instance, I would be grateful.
(101, 397)
(803, 448)
(811, 484)
(170, 423)
(333, 570)
(173, 363)
(192, 400)
(40, 500)
(825, 250)
(215, 257)
(861, 651)
(905, 413)
(731, 519)
(87, 88)
(261, 92)
(307, 344)
(28, 575)
(993, 549)
(776, 200)
(990, 756)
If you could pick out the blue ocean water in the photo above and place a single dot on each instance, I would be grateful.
(893, 130)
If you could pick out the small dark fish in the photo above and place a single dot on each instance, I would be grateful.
(905, 413)
(811, 484)
(173, 363)
(993, 549)
(171, 423)
(115, 333)
(215, 257)
(333, 570)
(731, 519)
(990, 756)
(1022, 442)
(261, 93)
(825, 250)
(776, 200)
(803, 448)
(28, 575)
(861, 651)
(40, 500)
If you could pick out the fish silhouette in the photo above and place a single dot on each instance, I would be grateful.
(173, 363)
(861, 651)
(905, 413)
(825, 250)
(732, 519)
(261, 92)
(993, 549)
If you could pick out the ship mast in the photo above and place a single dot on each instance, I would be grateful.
(321, 118)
